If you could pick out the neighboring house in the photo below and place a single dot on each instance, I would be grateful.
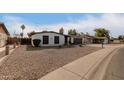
(116, 41)
(82, 39)
(99, 40)
(76, 39)
(50, 38)
(87, 39)
(4, 34)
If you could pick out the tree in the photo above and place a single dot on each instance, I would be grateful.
(31, 33)
(22, 27)
(61, 30)
(121, 38)
(82, 33)
(87, 33)
(102, 32)
(72, 32)
(21, 34)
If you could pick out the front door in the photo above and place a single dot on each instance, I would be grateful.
(45, 39)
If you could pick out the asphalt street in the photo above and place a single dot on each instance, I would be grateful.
(115, 70)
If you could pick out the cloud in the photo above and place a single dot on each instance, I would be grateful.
(113, 22)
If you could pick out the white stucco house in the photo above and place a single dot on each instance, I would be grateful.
(50, 38)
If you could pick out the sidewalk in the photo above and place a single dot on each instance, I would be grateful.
(2, 53)
(3, 48)
(5, 57)
(82, 68)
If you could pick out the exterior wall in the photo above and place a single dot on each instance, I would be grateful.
(89, 41)
(51, 39)
(77, 40)
(99, 41)
(2, 30)
(86, 40)
(83, 40)
(116, 42)
(72, 40)
(3, 37)
(105, 41)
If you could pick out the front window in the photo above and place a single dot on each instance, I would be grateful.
(45, 39)
(56, 39)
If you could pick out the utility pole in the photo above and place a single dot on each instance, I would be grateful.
(102, 44)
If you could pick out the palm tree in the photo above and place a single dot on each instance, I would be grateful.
(22, 27)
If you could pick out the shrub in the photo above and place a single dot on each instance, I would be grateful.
(60, 46)
(36, 42)
(81, 45)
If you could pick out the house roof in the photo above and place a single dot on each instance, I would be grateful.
(114, 39)
(33, 33)
(100, 37)
(81, 36)
(75, 36)
(4, 27)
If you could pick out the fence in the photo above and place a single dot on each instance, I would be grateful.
(24, 41)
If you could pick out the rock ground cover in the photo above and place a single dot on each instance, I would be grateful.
(28, 63)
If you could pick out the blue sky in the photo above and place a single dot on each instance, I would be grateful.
(83, 22)
(48, 18)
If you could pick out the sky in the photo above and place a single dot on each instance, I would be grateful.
(82, 22)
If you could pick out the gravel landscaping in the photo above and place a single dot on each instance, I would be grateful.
(29, 63)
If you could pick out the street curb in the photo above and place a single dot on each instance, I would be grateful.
(94, 74)
(94, 68)
(6, 56)
(106, 64)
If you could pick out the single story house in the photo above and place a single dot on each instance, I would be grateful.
(50, 38)
(75, 39)
(4, 34)
(116, 41)
(88, 39)
(82, 39)
(99, 40)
